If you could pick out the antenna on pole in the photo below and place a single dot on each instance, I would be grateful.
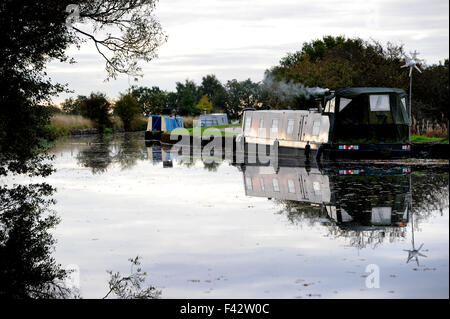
(411, 62)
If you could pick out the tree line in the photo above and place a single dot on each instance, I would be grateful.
(338, 62)
(330, 62)
(187, 99)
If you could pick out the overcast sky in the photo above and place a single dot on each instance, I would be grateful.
(240, 39)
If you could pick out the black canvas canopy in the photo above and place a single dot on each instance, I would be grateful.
(353, 92)
(370, 115)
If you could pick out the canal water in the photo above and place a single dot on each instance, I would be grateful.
(224, 230)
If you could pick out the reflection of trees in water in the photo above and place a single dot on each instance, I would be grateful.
(98, 156)
(101, 153)
(301, 213)
(211, 165)
(430, 193)
(27, 269)
(368, 238)
(131, 286)
(186, 162)
(129, 151)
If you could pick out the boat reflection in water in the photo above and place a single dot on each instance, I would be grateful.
(157, 154)
(366, 204)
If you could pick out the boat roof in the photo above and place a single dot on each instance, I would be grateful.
(353, 92)
(282, 111)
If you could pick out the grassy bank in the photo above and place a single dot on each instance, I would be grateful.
(61, 124)
(424, 139)
(200, 131)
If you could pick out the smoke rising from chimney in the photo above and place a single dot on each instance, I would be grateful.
(290, 90)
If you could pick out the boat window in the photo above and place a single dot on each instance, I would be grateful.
(290, 127)
(316, 128)
(274, 127)
(249, 183)
(261, 181)
(316, 187)
(330, 105)
(300, 128)
(291, 186)
(381, 215)
(276, 186)
(343, 102)
(403, 99)
(248, 123)
(379, 102)
(261, 129)
(302, 189)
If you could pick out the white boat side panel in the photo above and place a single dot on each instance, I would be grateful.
(310, 187)
(259, 127)
(149, 124)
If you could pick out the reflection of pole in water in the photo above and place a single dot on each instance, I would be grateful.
(413, 253)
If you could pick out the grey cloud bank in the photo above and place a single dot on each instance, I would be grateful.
(240, 39)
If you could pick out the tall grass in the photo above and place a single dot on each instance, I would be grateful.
(71, 122)
(428, 128)
(424, 139)
(189, 121)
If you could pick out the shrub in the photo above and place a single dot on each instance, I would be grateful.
(189, 121)
(97, 108)
(204, 105)
(139, 123)
(107, 130)
(51, 132)
(127, 108)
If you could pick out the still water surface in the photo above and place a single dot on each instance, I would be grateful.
(248, 231)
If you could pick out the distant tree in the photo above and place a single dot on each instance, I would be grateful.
(173, 101)
(151, 100)
(431, 88)
(241, 95)
(214, 90)
(127, 108)
(204, 105)
(188, 96)
(69, 106)
(97, 108)
(335, 62)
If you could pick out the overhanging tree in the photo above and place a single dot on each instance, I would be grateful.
(36, 32)
(32, 34)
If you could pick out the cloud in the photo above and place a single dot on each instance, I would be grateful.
(241, 38)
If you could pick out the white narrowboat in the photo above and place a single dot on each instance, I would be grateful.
(356, 122)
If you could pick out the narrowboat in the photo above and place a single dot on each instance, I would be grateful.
(157, 124)
(205, 120)
(351, 122)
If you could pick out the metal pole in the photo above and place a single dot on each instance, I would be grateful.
(410, 107)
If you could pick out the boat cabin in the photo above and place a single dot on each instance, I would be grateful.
(212, 119)
(164, 123)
